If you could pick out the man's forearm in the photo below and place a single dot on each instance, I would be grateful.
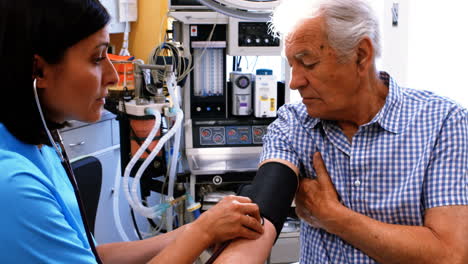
(388, 243)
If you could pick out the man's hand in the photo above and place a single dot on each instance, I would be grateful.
(317, 200)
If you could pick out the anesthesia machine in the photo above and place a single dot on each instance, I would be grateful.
(192, 119)
(238, 82)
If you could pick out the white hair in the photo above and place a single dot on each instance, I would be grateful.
(347, 22)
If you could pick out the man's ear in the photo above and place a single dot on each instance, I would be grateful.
(365, 55)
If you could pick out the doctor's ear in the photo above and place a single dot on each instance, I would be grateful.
(39, 65)
(38, 74)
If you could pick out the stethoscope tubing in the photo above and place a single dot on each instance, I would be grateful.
(68, 170)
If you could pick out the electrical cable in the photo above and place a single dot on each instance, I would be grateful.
(183, 68)
(234, 63)
(255, 64)
(124, 50)
(165, 16)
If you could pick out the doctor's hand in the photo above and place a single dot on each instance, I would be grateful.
(232, 217)
(317, 201)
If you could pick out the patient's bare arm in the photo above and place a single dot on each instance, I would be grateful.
(249, 251)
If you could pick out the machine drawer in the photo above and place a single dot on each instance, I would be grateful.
(87, 139)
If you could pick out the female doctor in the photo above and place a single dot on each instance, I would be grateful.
(55, 52)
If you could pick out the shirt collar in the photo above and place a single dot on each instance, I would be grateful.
(389, 117)
(308, 121)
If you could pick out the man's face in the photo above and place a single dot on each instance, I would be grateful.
(328, 87)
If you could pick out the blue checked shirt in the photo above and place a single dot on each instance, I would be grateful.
(412, 156)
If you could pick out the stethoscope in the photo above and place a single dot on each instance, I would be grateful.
(59, 148)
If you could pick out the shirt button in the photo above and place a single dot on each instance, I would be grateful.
(357, 183)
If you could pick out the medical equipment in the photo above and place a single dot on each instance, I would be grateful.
(277, 178)
(59, 149)
(251, 38)
(151, 130)
(258, 10)
(265, 95)
(217, 139)
(125, 70)
(222, 148)
(145, 107)
(241, 95)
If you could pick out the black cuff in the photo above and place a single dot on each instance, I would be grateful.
(273, 190)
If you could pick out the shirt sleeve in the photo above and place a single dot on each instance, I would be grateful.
(446, 178)
(34, 227)
(277, 141)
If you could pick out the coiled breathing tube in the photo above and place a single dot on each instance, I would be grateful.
(132, 195)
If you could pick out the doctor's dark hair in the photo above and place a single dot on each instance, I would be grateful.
(38, 27)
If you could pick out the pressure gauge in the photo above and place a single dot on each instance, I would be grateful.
(243, 82)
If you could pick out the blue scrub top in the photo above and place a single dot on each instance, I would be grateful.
(40, 219)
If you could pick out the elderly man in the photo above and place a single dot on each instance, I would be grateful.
(384, 167)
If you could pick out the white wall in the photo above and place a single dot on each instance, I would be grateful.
(438, 47)
(394, 58)
(429, 48)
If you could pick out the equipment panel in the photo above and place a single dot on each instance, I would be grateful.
(210, 136)
(222, 136)
(256, 34)
(238, 135)
(257, 134)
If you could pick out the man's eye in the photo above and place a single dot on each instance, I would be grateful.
(310, 66)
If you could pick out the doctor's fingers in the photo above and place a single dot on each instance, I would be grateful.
(250, 209)
(247, 233)
(239, 204)
(252, 224)
(241, 199)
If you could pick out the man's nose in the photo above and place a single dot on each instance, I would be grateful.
(298, 79)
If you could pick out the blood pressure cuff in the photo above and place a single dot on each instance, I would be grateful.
(273, 190)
